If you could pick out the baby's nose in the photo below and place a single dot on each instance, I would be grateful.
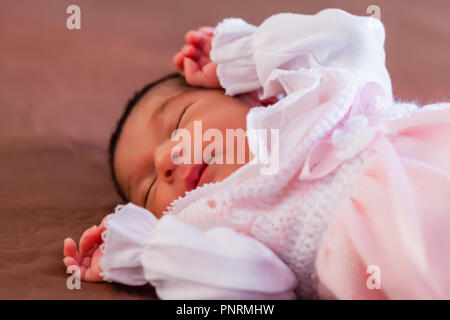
(164, 163)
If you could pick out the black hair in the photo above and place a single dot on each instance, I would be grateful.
(119, 126)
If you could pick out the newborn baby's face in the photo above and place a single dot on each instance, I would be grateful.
(143, 160)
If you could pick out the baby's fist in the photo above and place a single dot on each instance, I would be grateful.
(193, 60)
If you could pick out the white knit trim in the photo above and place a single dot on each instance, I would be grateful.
(436, 106)
(398, 111)
(103, 247)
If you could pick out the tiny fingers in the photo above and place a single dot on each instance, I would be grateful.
(205, 76)
(209, 31)
(70, 247)
(192, 72)
(200, 41)
(210, 72)
(92, 250)
(178, 62)
(86, 261)
(189, 51)
(89, 238)
(91, 275)
(197, 39)
(69, 261)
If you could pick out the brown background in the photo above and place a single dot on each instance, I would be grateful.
(61, 92)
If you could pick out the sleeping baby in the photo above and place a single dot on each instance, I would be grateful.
(277, 165)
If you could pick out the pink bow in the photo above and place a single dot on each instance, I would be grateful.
(351, 135)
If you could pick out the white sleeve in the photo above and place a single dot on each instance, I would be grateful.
(123, 241)
(184, 262)
(247, 55)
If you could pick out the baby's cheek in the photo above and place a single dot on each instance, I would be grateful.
(165, 194)
(219, 172)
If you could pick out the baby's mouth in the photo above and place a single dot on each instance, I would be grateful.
(194, 176)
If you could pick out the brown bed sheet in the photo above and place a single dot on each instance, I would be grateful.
(61, 92)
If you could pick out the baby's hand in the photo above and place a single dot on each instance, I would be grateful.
(89, 256)
(193, 60)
